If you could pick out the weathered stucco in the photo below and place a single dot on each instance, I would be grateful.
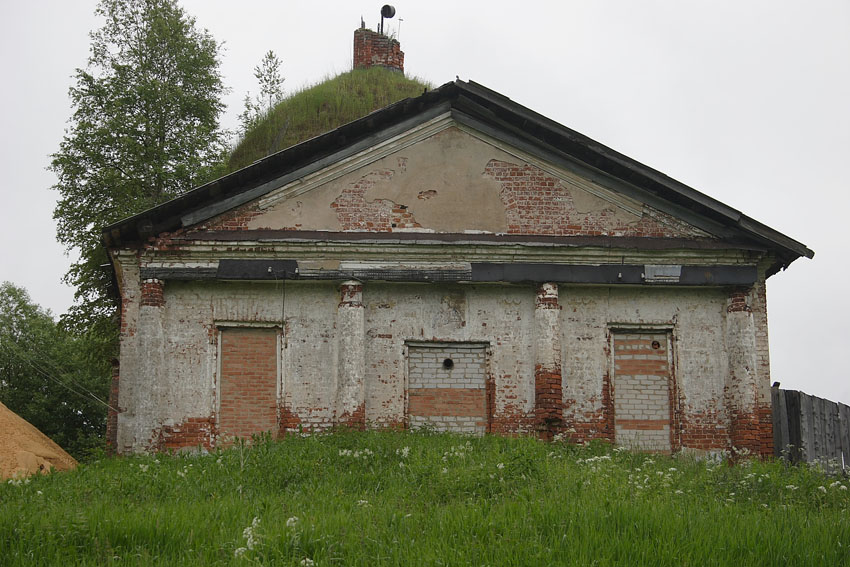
(424, 178)
(170, 363)
(343, 339)
(455, 182)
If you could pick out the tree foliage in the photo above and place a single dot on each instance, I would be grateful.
(270, 82)
(144, 129)
(51, 377)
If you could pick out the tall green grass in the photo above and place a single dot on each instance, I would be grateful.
(321, 108)
(392, 498)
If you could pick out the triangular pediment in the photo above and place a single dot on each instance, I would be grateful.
(448, 178)
(457, 159)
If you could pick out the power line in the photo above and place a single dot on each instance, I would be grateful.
(45, 373)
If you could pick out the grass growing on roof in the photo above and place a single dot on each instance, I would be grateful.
(391, 498)
(321, 108)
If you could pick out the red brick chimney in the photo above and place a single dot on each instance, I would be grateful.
(372, 49)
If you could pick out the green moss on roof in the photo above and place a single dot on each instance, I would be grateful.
(321, 108)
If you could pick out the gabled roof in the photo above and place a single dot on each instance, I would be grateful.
(480, 108)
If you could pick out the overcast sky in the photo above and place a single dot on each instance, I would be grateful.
(748, 102)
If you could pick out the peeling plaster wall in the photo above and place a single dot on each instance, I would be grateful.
(696, 318)
(170, 359)
(501, 316)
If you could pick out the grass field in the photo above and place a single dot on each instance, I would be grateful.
(392, 498)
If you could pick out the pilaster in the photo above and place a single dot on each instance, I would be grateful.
(351, 391)
(742, 377)
(548, 387)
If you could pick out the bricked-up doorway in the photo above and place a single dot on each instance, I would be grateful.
(447, 387)
(248, 381)
(642, 389)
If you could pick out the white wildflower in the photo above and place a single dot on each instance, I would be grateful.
(842, 487)
(403, 452)
(248, 533)
(672, 469)
(822, 489)
(239, 551)
(39, 492)
(144, 468)
(363, 503)
(307, 562)
(500, 466)
(791, 487)
(678, 492)
(835, 484)
(292, 522)
(445, 470)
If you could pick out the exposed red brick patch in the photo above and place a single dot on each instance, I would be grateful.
(192, 433)
(752, 433)
(289, 420)
(152, 293)
(548, 410)
(355, 419)
(236, 219)
(351, 295)
(706, 431)
(354, 212)
(738, 301)
(512, 421)
(537, 203)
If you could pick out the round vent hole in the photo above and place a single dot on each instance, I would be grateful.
(448, 364)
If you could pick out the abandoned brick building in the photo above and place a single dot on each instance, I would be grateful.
(453, 260)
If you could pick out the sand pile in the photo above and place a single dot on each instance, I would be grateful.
(24, 450)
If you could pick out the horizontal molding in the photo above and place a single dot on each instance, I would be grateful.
(608, 274)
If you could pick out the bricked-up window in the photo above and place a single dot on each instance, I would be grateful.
(447, 386)
(248, 382)
(641, 391)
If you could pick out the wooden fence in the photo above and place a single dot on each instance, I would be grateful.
(808, 428)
